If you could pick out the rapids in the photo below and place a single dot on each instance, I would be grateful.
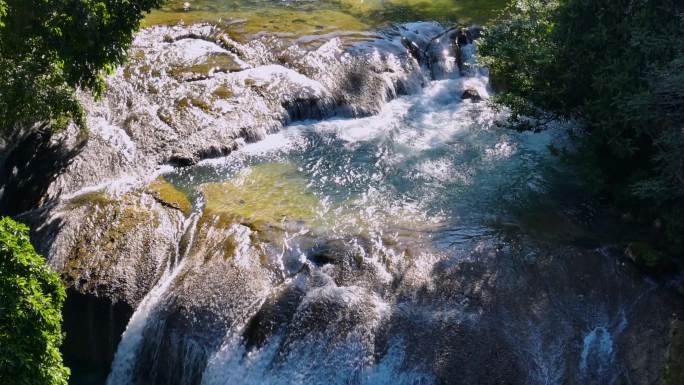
(331, 207)
(387, 249)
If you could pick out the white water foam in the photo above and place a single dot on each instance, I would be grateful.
(413, 126)
(132, 338)
(314, 360)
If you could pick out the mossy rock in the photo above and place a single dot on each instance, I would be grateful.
(167, 194)
(217, 62)
(223, 92)
(115, 220)
(190, 101)
(165, 116)
(94, 198)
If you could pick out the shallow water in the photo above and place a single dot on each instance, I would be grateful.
(299, 18)
(428, 162)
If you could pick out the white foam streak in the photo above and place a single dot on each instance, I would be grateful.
(122, 185)
(131, 340)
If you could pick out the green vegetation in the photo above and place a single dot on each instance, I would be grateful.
(214, 63)
(223, 92)
(673, 372)
(49, 48)
(617, 69)
(31, 298)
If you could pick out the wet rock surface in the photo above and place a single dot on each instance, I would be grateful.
(190, 93)
(516, 309)
(109, 246)
(471, 94)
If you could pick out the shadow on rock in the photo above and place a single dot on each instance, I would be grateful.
(31, 164)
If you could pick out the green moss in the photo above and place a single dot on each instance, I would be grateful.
(249, 82)
(223, 92)
(201, 104)
(137, 54)
(214, 63)
(169, 195)
(673, 372)
(189, 101)
(95, 198)
(182, 103)
(134, 68)
(114, 220)
(648, 257)
(165, 116)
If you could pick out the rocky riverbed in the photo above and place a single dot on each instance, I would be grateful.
(329, 210)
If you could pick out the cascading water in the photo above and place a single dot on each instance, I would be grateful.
(124, 361)
(389, 249)
(335, 208)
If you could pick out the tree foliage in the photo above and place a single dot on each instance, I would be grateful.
(50, 47)
(617, 68)
(31, 298)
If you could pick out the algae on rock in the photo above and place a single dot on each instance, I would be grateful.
(112, 246)
(170, 195)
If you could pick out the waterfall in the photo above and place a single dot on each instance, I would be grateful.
(363, 221)
(125, 359)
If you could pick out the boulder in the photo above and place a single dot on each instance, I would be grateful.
(471, 94)
(109, 246)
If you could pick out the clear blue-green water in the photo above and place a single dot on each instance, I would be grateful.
(428, 162)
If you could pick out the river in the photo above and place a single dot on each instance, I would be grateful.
(319, 192)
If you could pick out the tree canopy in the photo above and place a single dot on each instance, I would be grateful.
(617, 69)
(50, 47)
(31, 298)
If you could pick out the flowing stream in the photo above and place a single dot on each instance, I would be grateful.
(318, 192)
(386, 249)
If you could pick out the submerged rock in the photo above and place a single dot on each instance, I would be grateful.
(169, 195)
